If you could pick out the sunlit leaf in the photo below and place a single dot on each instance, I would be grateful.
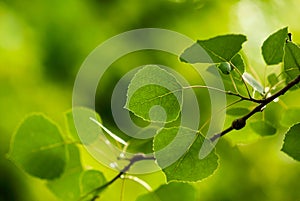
(291, 116)
(140, 145)
(262, 127)
(111, 134)
(71, 126)
(154, 95)
(185, 144)
(272, 48)
(172, 191)
(253, 82)
(219, 49)
(83, 126)
(291, 144)
(67, 186)
(38, 148)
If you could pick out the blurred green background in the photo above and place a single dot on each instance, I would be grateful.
(43, 44)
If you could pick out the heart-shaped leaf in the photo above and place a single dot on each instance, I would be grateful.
(272, 49)
(177, 152)
(154, 95)
(214, 50)
(38, 148)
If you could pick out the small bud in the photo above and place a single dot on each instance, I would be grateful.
(238, 124)
(290, 36)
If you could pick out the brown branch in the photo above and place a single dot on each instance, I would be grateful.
(240, 123)
(133, 160)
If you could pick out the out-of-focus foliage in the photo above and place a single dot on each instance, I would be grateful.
(39, 148)
(43, 43)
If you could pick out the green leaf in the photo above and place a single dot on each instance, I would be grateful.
(291, 116)
(291, 60)
(253, 83)
(85, 128)
(90, 180)
(292, 56)
(71, 126)
(181, 148)
(273, 79)
(238, 62)
(237, 111)
(219, 49)
(67, 186)
(154, 95)
(225, 67)
(263, 128)
(291, 145)
(172, 191)
(140, 145)
(38, 148)
(195, 54)
(272, 48)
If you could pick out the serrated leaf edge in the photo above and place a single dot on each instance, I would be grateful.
(126, 106)
(186, 181)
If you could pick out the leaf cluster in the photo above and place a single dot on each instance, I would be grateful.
(155, 95)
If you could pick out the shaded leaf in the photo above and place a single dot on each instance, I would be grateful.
(262, 127)
(177, 152)
(253, 82)
(291, 61)
(292, 56)
(154, 95)
(219, 49)
(272, 48)
(273, 79)
(238, 62)
(67, 186)
(38, 148)
(172, 191)
(90, 180)
(237, 111)
(291, 145)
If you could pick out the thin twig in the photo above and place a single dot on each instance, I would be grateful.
(245, 98)
(226, 92)
(133, 160)
(240, 123)
(209, 119)
(137, 180)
